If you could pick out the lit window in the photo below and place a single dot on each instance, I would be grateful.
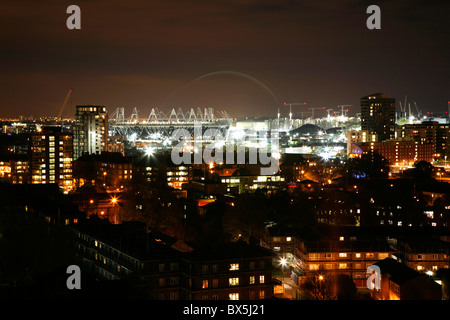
(205, 284)
(342, 255)
(383, 255)
(261, 279)
(252, 280)
(234, 296)
(342, 266)
(233, 281)
(234, 266)
(288, 239)
(313, 267)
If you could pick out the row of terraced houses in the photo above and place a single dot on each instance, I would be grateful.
(331, 250)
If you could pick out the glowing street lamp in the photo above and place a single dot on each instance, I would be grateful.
(114, 202)
(149, 151)
(283, 263)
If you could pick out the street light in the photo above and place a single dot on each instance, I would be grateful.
(283, 264)
(149, 151)
(114, 202)
(321, 286)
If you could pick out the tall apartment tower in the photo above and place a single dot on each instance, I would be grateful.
(429, 132)
(51, 157)
(378, 115)
(90, 130)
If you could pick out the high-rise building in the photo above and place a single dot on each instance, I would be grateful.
(378, 115)
(430, 132)
(51, 157)
(90, 130)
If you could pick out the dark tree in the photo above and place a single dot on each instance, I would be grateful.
(423, 170)
(329, 287)
(370, 166)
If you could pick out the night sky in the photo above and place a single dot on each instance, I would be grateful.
(246, 57)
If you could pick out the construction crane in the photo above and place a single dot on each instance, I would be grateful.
(303, 112)
(61, 110)
(344, 112)
(312, 110)
(290, 107)
(419, 113)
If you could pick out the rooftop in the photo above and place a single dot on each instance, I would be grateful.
(229, 250)
(112, 157)
(399, 273)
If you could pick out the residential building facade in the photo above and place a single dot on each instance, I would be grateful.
(428, 132)
(230, 271)
(378, 116)
(90, 130)
(159, 267)
(51, 157)
(15, 168)
(108, 169)
(399, 282)
(404, 151)
(350, 257)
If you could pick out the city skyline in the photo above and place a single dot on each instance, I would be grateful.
(233, 150)
(245, 57)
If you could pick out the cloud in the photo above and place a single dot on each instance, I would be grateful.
(137, 51)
